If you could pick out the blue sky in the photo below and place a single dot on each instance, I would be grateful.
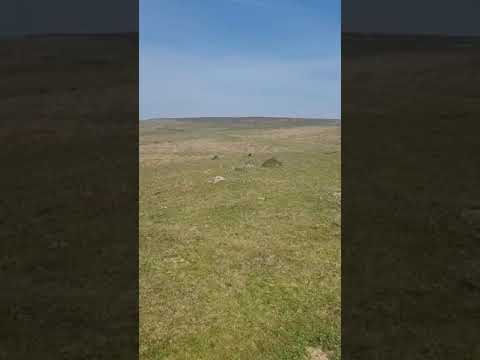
(239, 58)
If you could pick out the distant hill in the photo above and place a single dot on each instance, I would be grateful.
(251, 119)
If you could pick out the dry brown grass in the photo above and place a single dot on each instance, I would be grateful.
(159, 149)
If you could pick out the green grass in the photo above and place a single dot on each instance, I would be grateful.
(248, 268)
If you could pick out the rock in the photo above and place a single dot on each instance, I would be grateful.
(215, 157)
(272, 162)
(216, 179)
(316, 354)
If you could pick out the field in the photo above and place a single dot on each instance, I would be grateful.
(248, 267)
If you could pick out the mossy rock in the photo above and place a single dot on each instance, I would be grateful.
(272, 162)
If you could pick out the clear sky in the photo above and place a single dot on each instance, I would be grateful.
(240, 58)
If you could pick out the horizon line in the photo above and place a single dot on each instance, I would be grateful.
(241, 117)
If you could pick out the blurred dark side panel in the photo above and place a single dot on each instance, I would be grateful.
(410, 197)
(69, 204)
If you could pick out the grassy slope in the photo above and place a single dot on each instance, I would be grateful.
(248, 268)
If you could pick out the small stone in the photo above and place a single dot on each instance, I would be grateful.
(316, 354)
(217, 179)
